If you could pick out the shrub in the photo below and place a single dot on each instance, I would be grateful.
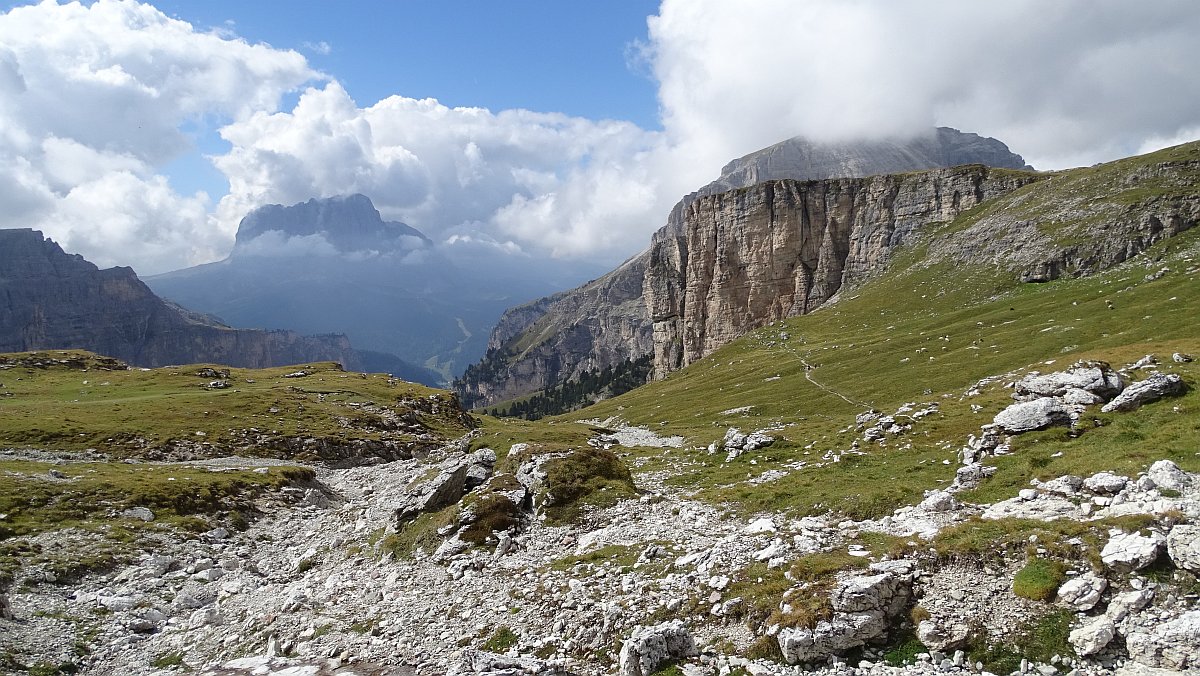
(501, 640)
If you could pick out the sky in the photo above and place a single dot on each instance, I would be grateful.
(141, 133)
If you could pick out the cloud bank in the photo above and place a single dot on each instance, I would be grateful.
(94, 100)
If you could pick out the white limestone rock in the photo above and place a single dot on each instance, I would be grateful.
(1105, 483)
(1166, 474)
(1174, 644)
(938, 501)
(649, 648)
(1125, 552)
(1081, 593)
(1121, 605)
(942, 637)
(1092, 636)
(1153, 388)
(1033, 415)
(863, 607)
(1095, 378)
(1183, 546)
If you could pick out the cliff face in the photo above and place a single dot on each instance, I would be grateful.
(534, 346)
(52, 300)
(734, 261)
(607, 321)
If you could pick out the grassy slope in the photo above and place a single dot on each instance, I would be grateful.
(114, 410)
(926, 333)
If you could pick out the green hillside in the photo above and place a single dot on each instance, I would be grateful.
(924, 333)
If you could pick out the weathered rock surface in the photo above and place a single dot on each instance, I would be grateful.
(1174, 644)
(863, 607)
(731, 262)
(1092, 636)
(1130, 551)
(1183, 546)
(1038, 414)
(608, 321)
(1096, 378)
(1153, 388)
(1083, 592)
(649, 648)
(1166, 474)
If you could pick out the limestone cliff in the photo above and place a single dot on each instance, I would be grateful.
(606, 322)
(734, 261)
(51, 299)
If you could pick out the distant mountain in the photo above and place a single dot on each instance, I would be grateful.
(334, 265)
(50, 299)
(349, 223)
(607, 322)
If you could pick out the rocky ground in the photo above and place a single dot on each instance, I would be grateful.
(313, 588)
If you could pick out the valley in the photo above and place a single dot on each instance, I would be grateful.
(932, 472)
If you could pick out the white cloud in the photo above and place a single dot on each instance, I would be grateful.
(92, 99)
(1064, 83)
(559, 184)
(323, 48)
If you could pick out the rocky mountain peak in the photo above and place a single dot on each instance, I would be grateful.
(805, 159)
(347, 222)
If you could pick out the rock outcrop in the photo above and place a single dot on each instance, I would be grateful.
(735, 261)
(50, 299)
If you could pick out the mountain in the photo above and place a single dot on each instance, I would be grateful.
(608, 321)
(50, 299)
(334, 265)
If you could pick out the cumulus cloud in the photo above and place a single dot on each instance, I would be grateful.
(1064, 83)
(562, 185)
(92, 99)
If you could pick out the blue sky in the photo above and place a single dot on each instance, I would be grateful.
(568, 57)
(578, 58)
(141, 133)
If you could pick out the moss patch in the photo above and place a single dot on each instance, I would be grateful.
(1039, 579)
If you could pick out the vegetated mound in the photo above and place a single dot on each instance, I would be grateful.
(76, 401)
(729, 262)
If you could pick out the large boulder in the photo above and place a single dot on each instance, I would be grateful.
(1096, 378)
(649, 648)
(1183, 546)
(1105, 482)
(441, 491)
(941, 636)
(1166, 474)
(1126, 552)
(1153, 388)
(1033, 415)
(863, 608)
(1081, 593)
(1171, 645)
(1092, 636)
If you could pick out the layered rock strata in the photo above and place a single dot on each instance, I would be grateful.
(735, 261)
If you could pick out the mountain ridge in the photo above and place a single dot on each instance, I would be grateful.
(50, 299)
(573, 332)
